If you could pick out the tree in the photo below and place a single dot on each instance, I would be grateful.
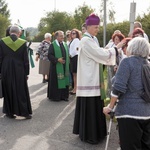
(4, 23)
(3, 9)
(4, 18)
(55, 21)
(81, 13)
(145, 22)
(111, 12)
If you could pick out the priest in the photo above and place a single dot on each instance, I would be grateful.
(58, 84)
(14, 69)
(90, 122)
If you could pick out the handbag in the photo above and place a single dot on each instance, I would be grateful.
(146, 81)
(1, 89)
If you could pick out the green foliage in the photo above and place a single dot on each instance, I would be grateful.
(3, 9)
(31, 33)
(145, 20)
(4, 18)
(64, 21)
(39, 37)
(111, 27)
(80, 15)
(4, 23)
(56, 21)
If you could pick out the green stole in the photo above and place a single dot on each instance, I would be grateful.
(14, 45)
(62, 77)
(30, 51)
(102, 86)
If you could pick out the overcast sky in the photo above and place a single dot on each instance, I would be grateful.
(29, 12)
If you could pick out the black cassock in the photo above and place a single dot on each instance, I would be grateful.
(14, 67)
(54, 93)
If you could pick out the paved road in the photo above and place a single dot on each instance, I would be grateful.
(51, 125)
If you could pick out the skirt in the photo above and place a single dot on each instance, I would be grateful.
(44, 67)
(73, 64)
(89, 121)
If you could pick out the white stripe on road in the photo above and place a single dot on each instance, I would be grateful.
(60, 118)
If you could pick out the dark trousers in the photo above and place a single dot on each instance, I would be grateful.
(134, 134)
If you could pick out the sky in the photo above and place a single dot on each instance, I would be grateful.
(29, 12)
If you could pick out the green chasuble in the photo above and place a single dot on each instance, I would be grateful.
(62, 77)
(102, 86)
(14, 45)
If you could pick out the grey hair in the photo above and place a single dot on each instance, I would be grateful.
(138, 24)
(15, 29)
(47, 35)
(138, 46)
(57, 33)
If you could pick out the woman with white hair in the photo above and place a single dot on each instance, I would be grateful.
(132, 112)
(42, 54)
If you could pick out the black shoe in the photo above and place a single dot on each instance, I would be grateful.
(66, 99)
(92, 142)
(72, 93)
(10, 116)
(28, 117)
(44, 81)
(56, 100)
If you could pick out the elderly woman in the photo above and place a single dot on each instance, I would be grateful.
(42, 54)
(132, 112)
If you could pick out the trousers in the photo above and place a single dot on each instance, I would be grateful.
(134, 134)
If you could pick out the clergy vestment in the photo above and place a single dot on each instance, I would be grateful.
(14, 67)
(90, 122)
(58, 84)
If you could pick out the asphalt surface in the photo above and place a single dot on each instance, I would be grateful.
(51, 125)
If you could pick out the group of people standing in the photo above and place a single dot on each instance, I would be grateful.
(132, 112)
(58, 61)
(80, 61)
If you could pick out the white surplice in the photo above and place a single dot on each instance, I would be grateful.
(89, 57)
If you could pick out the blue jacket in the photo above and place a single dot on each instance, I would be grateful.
(128, 81)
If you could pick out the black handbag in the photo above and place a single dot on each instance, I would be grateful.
(146, 81)
(1, 88)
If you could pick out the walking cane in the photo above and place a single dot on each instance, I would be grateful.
(110, 123)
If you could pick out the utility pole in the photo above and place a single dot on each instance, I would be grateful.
(104, 25)
(132, 15)
(54, 5)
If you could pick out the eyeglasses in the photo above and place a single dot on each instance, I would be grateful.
(73, 33)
